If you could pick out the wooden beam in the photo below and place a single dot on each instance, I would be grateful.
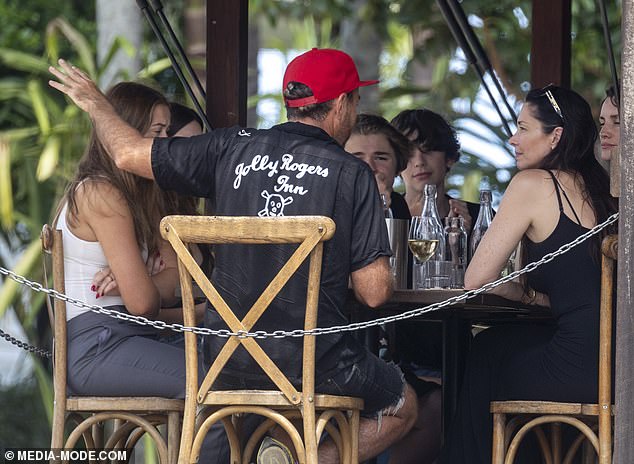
(227, 25)
(550, 47)
(624, 416)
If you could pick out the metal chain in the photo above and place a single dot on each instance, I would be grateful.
(25, 346)
(317, 331)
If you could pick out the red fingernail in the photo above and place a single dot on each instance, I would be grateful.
(93, 288)
(97, 296)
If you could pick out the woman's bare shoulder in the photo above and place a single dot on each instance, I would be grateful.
(99, 195)
(531, 182)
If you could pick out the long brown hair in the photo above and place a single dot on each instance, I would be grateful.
(135, 103)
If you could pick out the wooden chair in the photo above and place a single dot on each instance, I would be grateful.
(594, 421)
(280, 406)
(132, 416)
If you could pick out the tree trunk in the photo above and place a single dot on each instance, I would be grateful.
(195, 32)
(359, 38)
(252, 69)
(118, 18)
(421, 74)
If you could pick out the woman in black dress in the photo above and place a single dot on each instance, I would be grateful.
(560, 192)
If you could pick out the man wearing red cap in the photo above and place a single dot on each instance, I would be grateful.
(295, 168)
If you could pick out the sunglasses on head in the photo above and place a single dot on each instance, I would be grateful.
(547, 92)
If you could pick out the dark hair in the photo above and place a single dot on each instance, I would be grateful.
(317, 111)
(611, 93)
(181, 115)
(575, 151)
(135, 103)
(368, 124)
(434, 133)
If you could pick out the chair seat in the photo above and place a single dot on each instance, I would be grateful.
(545, 407)
(133, 404)
(277, 399)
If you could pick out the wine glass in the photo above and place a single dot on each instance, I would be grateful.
(423, 238)
(424, 241)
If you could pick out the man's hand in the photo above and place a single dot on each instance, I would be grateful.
(78, 86)
(127, 147)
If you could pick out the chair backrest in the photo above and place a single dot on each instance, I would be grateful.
(307, 231)
(52, 243)
(609, 254)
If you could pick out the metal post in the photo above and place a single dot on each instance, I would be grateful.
(624, 415)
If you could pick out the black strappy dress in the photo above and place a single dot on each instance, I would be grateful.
(533, 362)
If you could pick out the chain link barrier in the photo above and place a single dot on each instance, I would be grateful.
(25, 346)
(35, 286)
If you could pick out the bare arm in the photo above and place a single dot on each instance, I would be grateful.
(162, 269)
(127, 147)
(104, 210)
(373, 284)
(521, 205)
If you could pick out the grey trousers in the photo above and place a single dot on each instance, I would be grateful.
(109, 357)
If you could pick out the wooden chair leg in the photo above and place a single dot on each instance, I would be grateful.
(499, 424)
(310, 439)
(59, 422)
(188, 432)
(173, 435)
(556, 442)
(605, 440)
(354, 435)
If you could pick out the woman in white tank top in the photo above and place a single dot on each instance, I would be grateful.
(114, 256)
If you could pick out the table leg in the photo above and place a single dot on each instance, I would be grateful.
(455, 344)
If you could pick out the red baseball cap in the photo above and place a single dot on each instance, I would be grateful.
(327, 72)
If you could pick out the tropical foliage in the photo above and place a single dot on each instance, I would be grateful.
(421, 65)
(39, 150)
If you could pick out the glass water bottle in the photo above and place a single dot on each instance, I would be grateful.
(456, 247)
(485, 216)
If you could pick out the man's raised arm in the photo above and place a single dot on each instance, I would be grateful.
(128, 148)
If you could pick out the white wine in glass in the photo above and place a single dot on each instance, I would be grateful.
(423, 238)
(423, 249)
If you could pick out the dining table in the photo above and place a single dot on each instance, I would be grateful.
(456, 323)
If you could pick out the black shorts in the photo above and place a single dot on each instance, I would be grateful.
(380, 384)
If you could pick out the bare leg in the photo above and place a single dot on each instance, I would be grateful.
(373, 441)
(422, 444)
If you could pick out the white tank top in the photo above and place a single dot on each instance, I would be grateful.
(82, 260)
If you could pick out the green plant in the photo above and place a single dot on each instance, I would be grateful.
(39, 151)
